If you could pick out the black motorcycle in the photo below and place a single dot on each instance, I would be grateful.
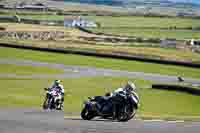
(103, 107)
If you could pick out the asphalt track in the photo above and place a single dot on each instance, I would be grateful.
(79, 71)
(14, 120)
(36, 121)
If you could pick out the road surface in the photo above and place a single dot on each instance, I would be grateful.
(14, 120)
(36, 121)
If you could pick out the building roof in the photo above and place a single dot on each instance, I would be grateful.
(32, 7)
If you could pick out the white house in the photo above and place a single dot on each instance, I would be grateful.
(78, 21)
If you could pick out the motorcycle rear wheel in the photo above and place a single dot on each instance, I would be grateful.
(86, 115)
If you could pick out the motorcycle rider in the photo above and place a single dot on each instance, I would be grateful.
(59, 87)
(130, 87)
(116, 100)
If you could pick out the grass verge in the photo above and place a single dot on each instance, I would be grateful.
(27, 70)
(140, 21)
(133, 49)
(154, 103)
(72, 41)
(116, 64)
(150, 33)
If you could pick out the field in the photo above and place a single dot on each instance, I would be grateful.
(146, 27)
(21, 92)
(139, 26)
(150, 33)
(30, 27)
(72, 41)
(139, 21)
(132, 49)
(27, 70)
(100, 62)
(129, 21)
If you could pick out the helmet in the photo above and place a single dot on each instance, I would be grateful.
(130, 87)
(57, 82)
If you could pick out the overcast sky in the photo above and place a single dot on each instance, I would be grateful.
(194, 1)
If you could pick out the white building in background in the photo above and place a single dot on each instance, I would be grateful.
(78, 21)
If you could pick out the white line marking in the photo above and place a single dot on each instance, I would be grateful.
(153, 120)
(175, 121)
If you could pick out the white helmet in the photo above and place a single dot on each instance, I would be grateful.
(130, 87)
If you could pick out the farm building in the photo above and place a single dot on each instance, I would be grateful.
(78, 21)
(37, 6)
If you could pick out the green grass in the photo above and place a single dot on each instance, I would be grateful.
(139, 21)
(43, 17)
(29, 93)
(168, 102)
(128, 21)
(138, 49)
(154, 103)
(128, 26)
(27, 70)
(150, 33)
(117, 64)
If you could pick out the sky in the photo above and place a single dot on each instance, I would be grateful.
(193, 1)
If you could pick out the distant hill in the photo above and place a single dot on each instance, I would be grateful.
(138, 2)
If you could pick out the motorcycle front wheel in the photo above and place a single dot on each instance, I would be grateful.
(131, 114)
(123, 117)
(127, 115)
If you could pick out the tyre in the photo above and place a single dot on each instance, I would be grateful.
(50, 104)
(131, 114)
(123, 117)
(126, 115)
(58, 105)
(86, 115)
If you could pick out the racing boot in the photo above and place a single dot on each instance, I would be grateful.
(114, 116)
(62, 103)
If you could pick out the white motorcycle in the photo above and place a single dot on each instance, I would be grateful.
(53, 99)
